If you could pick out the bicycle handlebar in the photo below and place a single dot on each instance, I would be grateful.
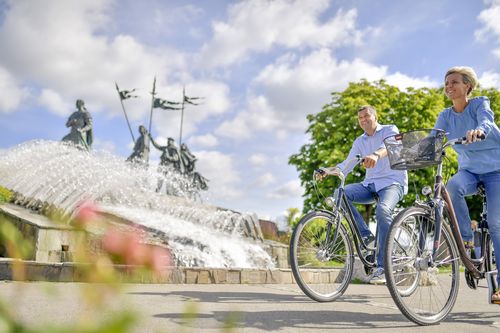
(462, 140)
(324, 172)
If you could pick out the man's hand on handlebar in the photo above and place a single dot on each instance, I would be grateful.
(321, 173)
(369, 161)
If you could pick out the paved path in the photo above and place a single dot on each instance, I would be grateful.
(251, 308)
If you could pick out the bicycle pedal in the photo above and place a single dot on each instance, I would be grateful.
(471, 280)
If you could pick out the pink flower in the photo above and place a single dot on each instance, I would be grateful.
(86, 212)
(128, 248)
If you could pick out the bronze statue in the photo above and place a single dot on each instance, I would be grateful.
(141, 148)
(188, 159)
(80, 122)
(170, 158)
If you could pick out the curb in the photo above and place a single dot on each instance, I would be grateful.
(72, 272)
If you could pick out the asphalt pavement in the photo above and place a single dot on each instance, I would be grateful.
(235, 308)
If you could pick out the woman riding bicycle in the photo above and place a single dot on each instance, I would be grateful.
(478, 162)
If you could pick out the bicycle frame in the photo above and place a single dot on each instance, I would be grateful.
(440, 199)
(342, 202)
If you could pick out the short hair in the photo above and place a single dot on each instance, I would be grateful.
(370, 108)
(468, 76)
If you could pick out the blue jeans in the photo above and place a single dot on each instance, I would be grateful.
(464, 183)
(387, 198)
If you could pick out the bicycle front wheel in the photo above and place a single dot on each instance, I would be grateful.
(423, 288)
(321, 256)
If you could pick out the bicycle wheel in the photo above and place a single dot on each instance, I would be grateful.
(321, 266)
(425, 292)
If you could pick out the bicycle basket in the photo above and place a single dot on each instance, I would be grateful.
(415, 149)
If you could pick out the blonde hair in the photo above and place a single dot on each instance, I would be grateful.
(468, 76)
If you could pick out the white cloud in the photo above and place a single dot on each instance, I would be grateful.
(77, 60)
(296, 86)
(10, 93)
(258, 159)
(490, 79)
(221, 172)
(403, 81)
(259, 117)
(53, 102)
(288, 190)
(265, 179)
(490, 18)
(207, 140)
(258, 25)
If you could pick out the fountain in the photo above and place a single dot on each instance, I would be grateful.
(198, 235)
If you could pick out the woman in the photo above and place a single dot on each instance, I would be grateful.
(80, 122)
(477, 161)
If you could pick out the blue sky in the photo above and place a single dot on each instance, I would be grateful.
(261, 67)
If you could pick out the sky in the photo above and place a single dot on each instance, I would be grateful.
(261, 67)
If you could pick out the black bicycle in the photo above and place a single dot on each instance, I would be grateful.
(423, 266)
(321, 247)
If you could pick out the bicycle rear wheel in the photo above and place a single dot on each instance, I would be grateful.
(322, 266)
(425, 292)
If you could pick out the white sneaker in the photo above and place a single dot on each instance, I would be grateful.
(378, 276)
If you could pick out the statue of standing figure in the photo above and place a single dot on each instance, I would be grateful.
(140, 154)
(188, 159)
(80, 122)
(170, 158)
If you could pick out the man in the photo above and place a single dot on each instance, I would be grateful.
(381, 184)
(140, 155)
(170, 158)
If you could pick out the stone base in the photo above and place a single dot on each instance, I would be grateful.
(70, 272)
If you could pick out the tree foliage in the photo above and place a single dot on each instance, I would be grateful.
(333, 130)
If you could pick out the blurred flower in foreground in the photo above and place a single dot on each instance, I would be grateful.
(124, 246)
(85, 213)
(127, 247)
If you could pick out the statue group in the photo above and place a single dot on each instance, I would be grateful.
(180, 161)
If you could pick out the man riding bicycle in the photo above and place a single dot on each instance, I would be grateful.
(381, 184)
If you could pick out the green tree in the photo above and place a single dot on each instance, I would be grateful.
(334, 129)
(292, 217)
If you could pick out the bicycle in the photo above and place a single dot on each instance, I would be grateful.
(422, 266)
(321, 252)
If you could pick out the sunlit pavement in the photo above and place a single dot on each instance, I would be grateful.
(244, 308)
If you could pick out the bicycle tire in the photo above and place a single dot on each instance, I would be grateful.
(322, 270)
(435, 294)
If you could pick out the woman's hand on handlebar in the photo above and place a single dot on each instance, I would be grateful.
(474, 135)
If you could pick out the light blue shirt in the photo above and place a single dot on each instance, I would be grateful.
(381, 175)
(478, 157)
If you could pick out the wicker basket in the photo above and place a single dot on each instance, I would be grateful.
(415, 149)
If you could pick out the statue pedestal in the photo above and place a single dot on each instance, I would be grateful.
(51, 242)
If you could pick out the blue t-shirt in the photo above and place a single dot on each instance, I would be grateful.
(478, 157)
(381, 175)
